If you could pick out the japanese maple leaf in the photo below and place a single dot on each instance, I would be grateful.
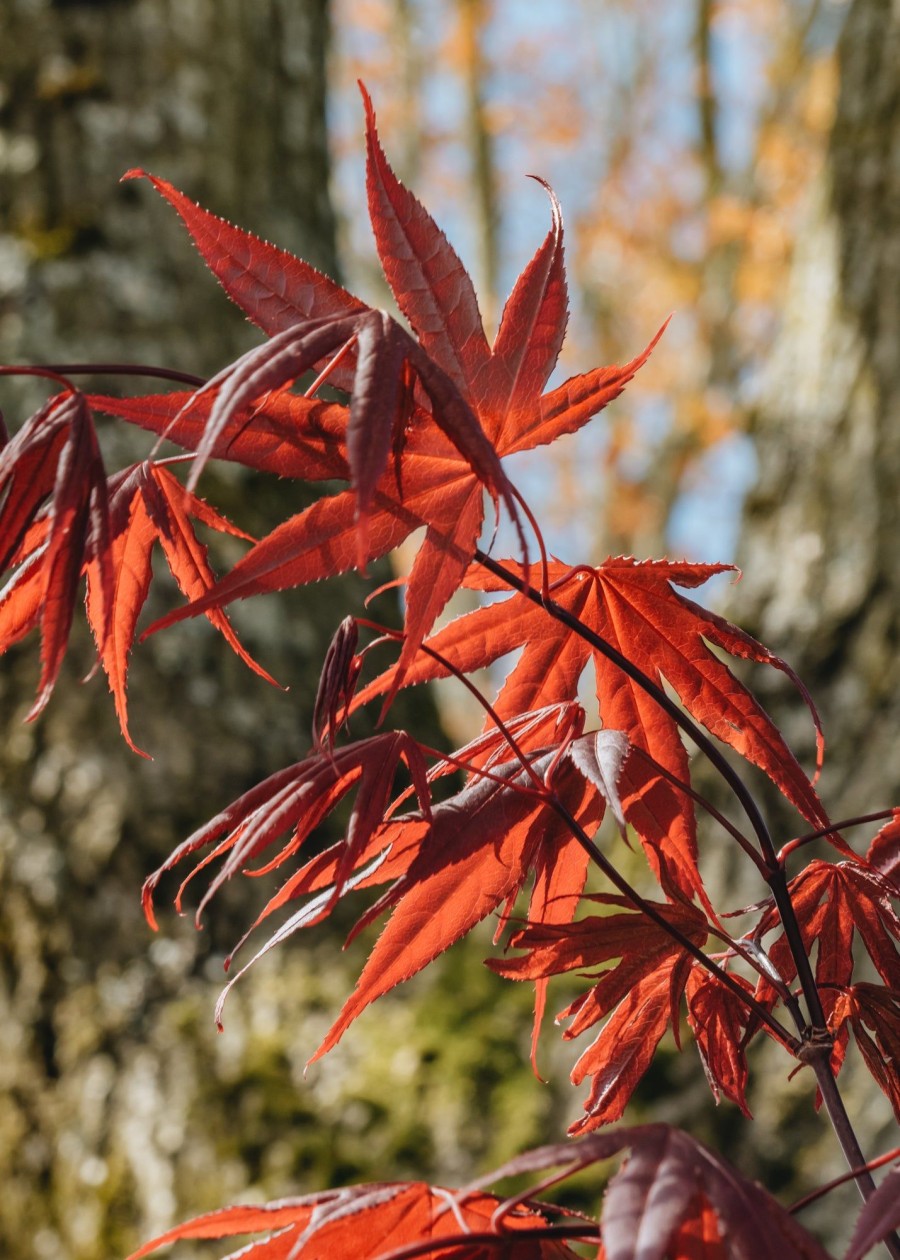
(670, 1193)
(283, 433)
(147, 504)
(634, 607)
(375, 1221)
(833, 903)
(54, 518)
(434, 482)
(643, 991)
(720, 1023)
(868, 1009)
(884, 852)
(295, 800)
(446, 868)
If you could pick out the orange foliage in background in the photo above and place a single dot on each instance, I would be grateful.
(683, 140)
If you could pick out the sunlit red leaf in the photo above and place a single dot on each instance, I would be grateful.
(833, 902)
(148, 505)
(871, 1008)
(719, 1022)
(282, 434)
(625, 1047)
(633, 607)
(372, 1221)
(53, 460)
(670, 1181)
(294, 801)
(463, 383)
(643, 991)
(476, 855)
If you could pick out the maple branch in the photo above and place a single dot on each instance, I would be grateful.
(46, 371)
(880, 815)
(869, 1166)
(121, 369)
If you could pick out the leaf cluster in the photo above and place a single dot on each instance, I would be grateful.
(428, 410)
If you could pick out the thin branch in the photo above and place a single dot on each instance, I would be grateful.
(125, 369)
(487, 1238)
(881, 815)
(868, 1167)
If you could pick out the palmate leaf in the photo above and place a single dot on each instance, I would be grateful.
(464, 382)
(296, 799)
(872, 1009)
(149, 505)
(54, 518)
(834, 902)
(445, 867)
(374, 1221)
(643, 991)
(671, 1192)
(634, 607)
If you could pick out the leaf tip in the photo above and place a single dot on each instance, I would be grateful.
(367, 101)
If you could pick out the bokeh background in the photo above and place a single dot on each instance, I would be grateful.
(735, 163)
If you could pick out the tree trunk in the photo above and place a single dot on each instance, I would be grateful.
(117, 1109)
(819, 549)
(121, 1111)
(821, 579)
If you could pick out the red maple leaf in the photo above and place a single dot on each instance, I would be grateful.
(447, 867)
(433, 482)
(54, 518)
(643, 991)
(835, 903)
(868, 1009)
(670, 1196)
(147, 504)
(379, 1221)
(633, 607)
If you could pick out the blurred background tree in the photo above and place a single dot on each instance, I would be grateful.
(707, 163)
(120, 1109)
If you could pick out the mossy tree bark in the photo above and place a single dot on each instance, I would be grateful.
(821, 581)
(120, 1111)
(820, 532)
